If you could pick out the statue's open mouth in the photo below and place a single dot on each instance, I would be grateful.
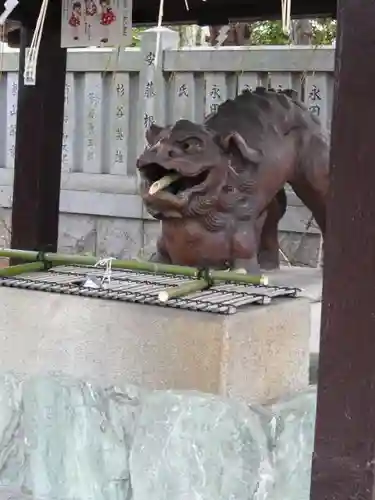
(158, 179)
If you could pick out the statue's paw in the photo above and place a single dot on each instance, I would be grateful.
(270, 259)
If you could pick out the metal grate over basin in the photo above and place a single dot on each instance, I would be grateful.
(143, 288)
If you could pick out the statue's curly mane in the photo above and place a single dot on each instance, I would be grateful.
(223, 182)
(254, 114)
(259, 108)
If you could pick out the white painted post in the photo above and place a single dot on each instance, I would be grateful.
(319, 96)
(319, 99)
(12, 95)
(215, 91)
(119, 133)
(152, 100)
(92, 137)
(183, 104)
(67, 158)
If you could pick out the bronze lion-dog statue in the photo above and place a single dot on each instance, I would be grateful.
(219, 187)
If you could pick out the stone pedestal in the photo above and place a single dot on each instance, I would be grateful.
(255, 355)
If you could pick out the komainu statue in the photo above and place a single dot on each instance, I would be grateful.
(219, 187)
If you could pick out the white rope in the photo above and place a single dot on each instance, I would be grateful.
(9, 6)
(159, 25)
(285, 15)
(31, 59)
(93, 281)
(107, 262)
(158, 33)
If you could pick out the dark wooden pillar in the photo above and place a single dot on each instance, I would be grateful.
(36, 192)
(344, 457)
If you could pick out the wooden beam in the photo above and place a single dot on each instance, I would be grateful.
(36, 192)
(211, 12)
(343, 460)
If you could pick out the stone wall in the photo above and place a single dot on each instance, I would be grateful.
(135, 238)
